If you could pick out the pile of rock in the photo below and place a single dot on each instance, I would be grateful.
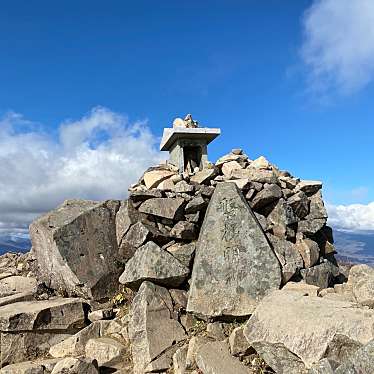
(224, 270)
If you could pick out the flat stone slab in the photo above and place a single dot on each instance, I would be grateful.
(56, 314)
(306, 325)
(234, 266)
(171, 135)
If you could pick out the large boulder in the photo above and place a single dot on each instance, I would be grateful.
(361, 279)
(76, 248)
(154, 264)
(306, 325)
(163, 207)
(234, 265)
(153, 330)
(29, 329)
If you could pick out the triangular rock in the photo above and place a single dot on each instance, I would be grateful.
(234, 265)
(154, 264)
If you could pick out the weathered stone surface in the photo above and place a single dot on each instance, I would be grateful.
(184, 253)
(242, 184)
(245, 267)
(261, 163)
(340, 348)
(282, 214)
(108, 352)
(100, 314)
(321, 275)
(361, 279)
(309, 251)
(203, 176)
(179, 298)
(279, 358)
(154, 177)
(322, 367)
(184, 187)
(30, 367)
(179, 360)
(72, 365)
(361, 362)
(196, 204)
(195, 343)
(288, 256)
(75, 247)
(56, 314)
(163, 207)
(317, 208)
(305, 289)
(20, 296)
(215, 330)
(145, 195)
(215, 358)
(266, 196)
(184, 230)
(307, 324)
(311, 226)
(152, 263)
(152, 330)
(19, 346)
(309, 187)
(16, 284)
(299, 203)
(238, 342)
(228, 167)
(136, 236)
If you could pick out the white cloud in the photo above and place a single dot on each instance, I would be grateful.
(338, 47)
(354, 217)
(96, 157)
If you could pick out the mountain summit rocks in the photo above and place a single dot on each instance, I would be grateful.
(216, 268)
(235, 265)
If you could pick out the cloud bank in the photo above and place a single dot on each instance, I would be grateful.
(96, 157)
(338, 47)
(355, 217)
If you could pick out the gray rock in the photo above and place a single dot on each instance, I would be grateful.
(75, 247)
(203, 176)
(184, 187)
(195, 343)
(323, 366)
(238, 343)
(136, 236)
(145, 195)
(193, 218)
(309, 187)
(30, 367)
(196, 204)
(55, 314)
(262, 221)
(216, 331)
(311, 226)
(245, 267)
(309, 251)
(290, 318)
(361, 362)
(152, 178)
(299, 203)
(215, 358)
(288, 256)
(317, 208)
(321, 275)
(361, 279)
(340, 348)
(282, 214)
(184, 253)
(179, 298)
(163, 207)
(184, 230)
(179, 360)
(279, 358)
(72, 365)
(16, 284)
(255, 175)
(152, 329)
(266, 196)
(152, 263)
(100, 314)
(206, 191)
(108, 352)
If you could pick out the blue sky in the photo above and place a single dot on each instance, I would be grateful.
(86, 88)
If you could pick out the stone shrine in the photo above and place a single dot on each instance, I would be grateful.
(187, 144)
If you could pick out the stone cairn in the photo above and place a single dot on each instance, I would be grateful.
(221, 268)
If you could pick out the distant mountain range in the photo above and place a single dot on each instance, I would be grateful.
(11, 243)
(351, 247)
(354, 246)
